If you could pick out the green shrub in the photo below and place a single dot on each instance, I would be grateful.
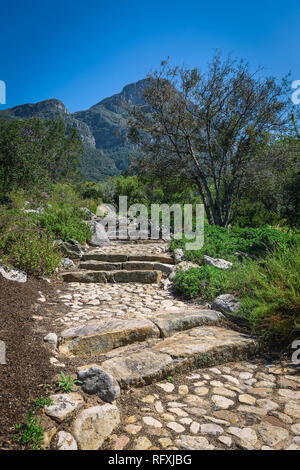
(25, 246)
(270, 293)
(224, 243)
(205, 281)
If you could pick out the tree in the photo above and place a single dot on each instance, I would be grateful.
(207, 128)
(33, 152)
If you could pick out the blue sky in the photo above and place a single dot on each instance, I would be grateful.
(81, 52)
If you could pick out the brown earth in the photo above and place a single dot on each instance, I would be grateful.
(28, 370)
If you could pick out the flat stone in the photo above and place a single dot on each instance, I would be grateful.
(158, 258)
(252, 409)
(226, 440)
(148, 399)
(272, 435)
(247, 435)
(268, 404)
(138, 369)
(152, 422)
(133, 428)
(143, 443)
(292, 409)
(100, 266)
(222, 402)
(120, 442)
(113, 276)
(217, 263)
(93, 425)
(225, 303)
(172, 322)
(66, 441)
(225, 392)
(194, 428)
(183, 390)
(194, 443)
(206, 346)
(97, 337)
(201, 391)
(64, 404)
(247, 399)
(165, 442)
(289, 394)
(175, 426)
(167, 387)
(296, 429)
(210, 428)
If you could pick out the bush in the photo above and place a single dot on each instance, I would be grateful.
(25, 246)
(224, 243)
(270, 294)
(205, 281)
(63, 216)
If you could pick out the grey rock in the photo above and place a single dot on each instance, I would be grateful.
(71, 248)
(97, 381)
(217, 263)
(225, 303)
(63, 406)
(51, 338)
(67, 263)
(13, 274)
(179, 255)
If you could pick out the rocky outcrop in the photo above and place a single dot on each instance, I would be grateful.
(217, 263)
(226, 303)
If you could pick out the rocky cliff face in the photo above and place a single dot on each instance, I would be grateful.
(102, 128)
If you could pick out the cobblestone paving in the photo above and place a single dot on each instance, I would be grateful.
(235, 406)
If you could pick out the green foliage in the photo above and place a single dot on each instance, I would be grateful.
(34, 153)
(63, 216)
(270, 293)
(31, 432)
(67, 383)
(42, 402)
(205, 281)
(222, 242)
(25, 245)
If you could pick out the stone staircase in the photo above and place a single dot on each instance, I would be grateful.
(121, 267)
(147, 347)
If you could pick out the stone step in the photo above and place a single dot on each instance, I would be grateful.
(98, 337)
(122, 258)
(196, 348)
(93, 265)
(113, 276)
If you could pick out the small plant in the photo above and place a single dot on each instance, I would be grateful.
(170, 379)
(67, 383)
(31, 432)
(42, 402)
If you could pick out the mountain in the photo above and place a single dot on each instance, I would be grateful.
(102, 128)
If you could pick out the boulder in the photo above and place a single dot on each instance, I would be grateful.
(13, 274)
(217, 263)
(71, 248)
(225, 303)
(97, 381)
(93, 425)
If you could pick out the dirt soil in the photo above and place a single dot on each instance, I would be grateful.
(28, 370)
